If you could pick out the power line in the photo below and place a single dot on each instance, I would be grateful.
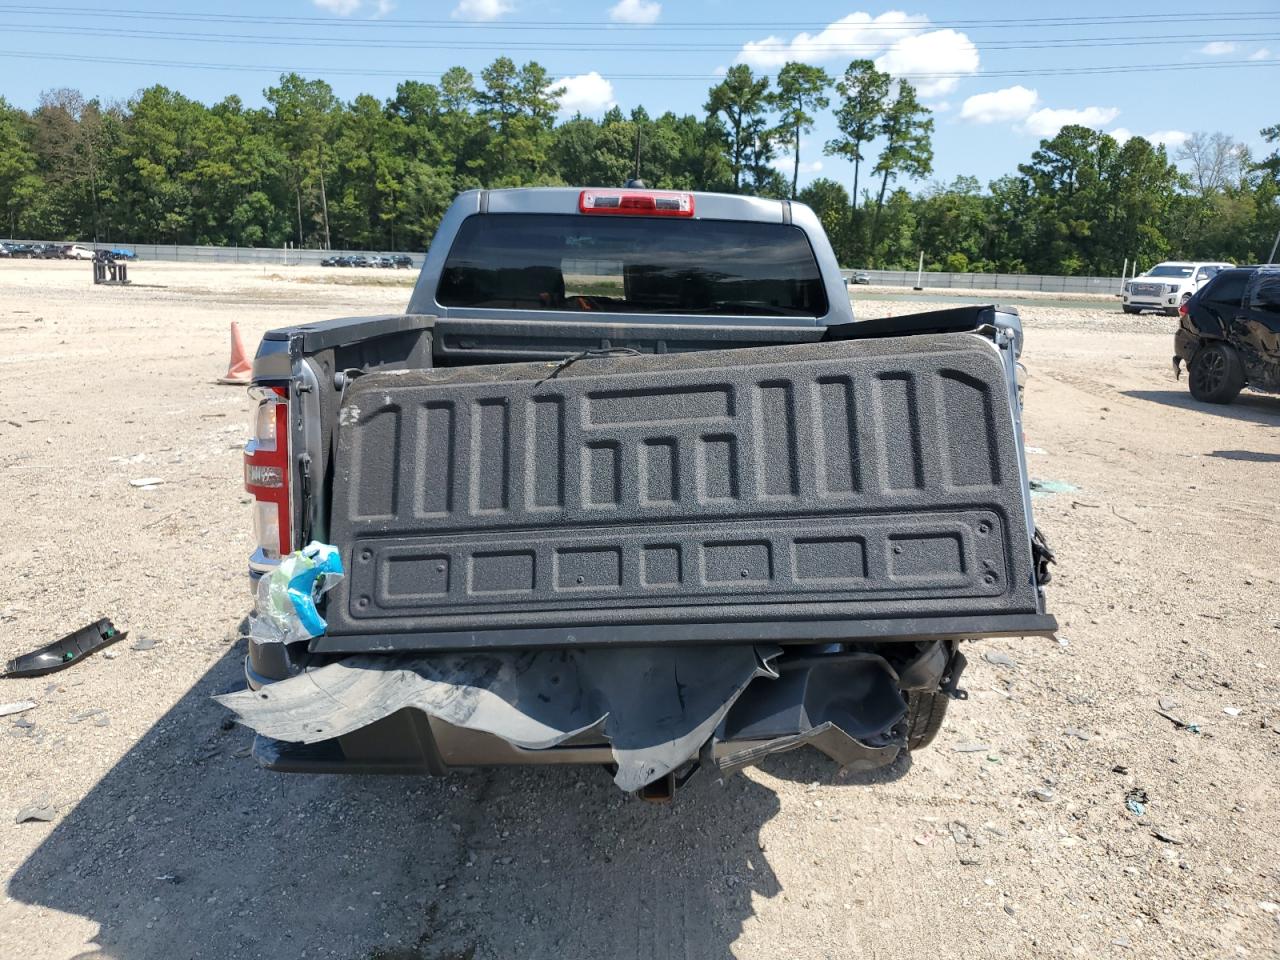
(1063, 43)
(345, 23)
(349, 71)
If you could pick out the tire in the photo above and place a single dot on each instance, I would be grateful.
(1128, 309)
(925, 713)
(1216, 373)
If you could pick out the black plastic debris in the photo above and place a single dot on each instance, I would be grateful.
(72, 648)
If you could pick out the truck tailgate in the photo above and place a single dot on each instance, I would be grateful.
(836, 490)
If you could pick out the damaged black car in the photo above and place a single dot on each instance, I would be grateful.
(1229, 335)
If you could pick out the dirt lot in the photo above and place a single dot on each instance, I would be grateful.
(168, 842)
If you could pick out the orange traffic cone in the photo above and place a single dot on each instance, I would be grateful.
(240, 368)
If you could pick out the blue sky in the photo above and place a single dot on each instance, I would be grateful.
(993, 72)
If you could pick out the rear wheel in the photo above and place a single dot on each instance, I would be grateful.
(925, 713)
(1217, 375)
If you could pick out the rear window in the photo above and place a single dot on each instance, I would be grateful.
(517, 261)
(1266, 292)
(1227, 287)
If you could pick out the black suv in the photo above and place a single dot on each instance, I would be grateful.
(1229, 335)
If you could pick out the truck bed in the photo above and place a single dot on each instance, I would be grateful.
(838, 490)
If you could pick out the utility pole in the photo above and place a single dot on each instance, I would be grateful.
(920, 274)
(1272, 258)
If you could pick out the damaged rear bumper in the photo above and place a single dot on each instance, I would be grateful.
(646, 714)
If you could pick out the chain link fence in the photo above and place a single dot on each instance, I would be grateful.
(991, 281)
(287, 256)
(279, 256)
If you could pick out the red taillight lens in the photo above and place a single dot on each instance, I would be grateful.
(266, 473)
(1182, 310)
(643, 203)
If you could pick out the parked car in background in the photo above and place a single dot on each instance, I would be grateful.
(330, 261)
(1167, 286)
(1229, 335)
(121, 253)
(4, 251)
(402, 261)
(859, 277)
(78, 252)
(18, 250)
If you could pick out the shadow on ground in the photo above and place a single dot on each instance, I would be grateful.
(1257, 407)
(186, 849)
(1251, 456)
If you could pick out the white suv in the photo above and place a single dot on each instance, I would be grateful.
(78, 252)
(1169, 285)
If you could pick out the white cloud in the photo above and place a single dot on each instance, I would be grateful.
(1260, 54)
(938, 51)
(481, 9)
(586, 93)
(1000, 106)
(635, 11)
(1218, 48)
(341, 8)
(785, 164)
(382, 8)
(720, 71)
(1047, 122)
(1172, 139)
(859, 35)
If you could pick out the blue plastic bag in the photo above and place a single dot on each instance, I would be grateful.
(287, 596)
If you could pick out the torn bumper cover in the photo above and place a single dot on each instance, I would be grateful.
(647, 711)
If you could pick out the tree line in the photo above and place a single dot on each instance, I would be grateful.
(310, 170)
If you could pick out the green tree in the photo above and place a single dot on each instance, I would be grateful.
(908, 149)
(305, 112)
(160, 186)
(1271, 162)
(952, 222)
(239, 195)
(742, 100)
(18, 162)
(801, 88)
(864, 95)
(830, 201)
(519, 106)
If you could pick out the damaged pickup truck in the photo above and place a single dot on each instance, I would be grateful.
(627, 485)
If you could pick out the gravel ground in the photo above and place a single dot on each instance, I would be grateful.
(166, 841)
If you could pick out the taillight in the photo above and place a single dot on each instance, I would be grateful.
(1182, 309)
(643, 203)
(266, 472)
